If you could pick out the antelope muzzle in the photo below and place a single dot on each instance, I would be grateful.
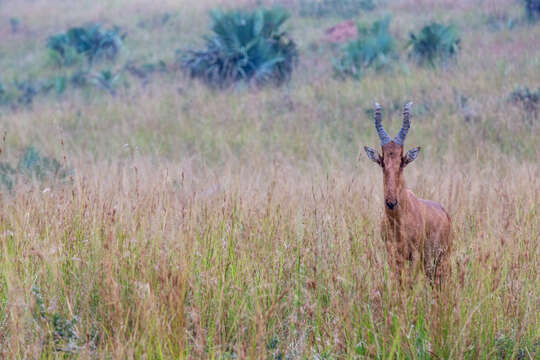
(391, 204)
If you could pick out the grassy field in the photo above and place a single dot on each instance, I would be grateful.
(193, 223)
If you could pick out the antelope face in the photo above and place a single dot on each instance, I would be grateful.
(391, 165)
(392, 160)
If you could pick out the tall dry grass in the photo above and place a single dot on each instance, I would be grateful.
(263, 262)
(245, 224)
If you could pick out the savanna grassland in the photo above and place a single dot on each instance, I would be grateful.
(200, 223)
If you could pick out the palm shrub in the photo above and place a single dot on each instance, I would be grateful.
(374, 48)
(91, 41)
(532, 8)
(434, 43)
(244, 46)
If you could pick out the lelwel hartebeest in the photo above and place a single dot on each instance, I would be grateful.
(413, 229)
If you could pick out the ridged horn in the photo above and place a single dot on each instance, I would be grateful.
(383, 135)
(400, 138)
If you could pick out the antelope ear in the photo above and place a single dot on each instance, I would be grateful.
(410, 156)
(373, 154)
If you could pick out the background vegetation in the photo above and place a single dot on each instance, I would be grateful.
(248, 46)
(144, 214)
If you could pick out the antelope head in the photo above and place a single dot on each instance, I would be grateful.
(392, 160)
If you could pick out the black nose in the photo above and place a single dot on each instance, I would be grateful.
(390, 204)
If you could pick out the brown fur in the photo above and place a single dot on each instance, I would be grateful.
(415, 230)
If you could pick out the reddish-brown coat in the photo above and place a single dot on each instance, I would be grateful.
(414, 230)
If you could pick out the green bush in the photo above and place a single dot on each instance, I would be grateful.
(7, 175)
(26, 91)
(527, 99)
(144, 71)
(374, 47)
(2, 89)
(14, 23)
(532, 8)
(6, 94)
(36, 166)
(106, 80)
(341, 8)
(23, 92)
(91, 41)
(61, 330)
(434, 43)
(501, 21)
(31, 167)
(244, 46)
